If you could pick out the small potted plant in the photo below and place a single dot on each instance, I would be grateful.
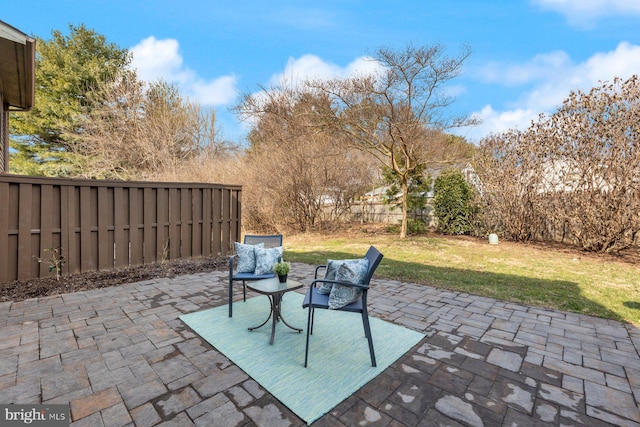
(282, 269)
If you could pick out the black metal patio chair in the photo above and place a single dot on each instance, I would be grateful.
(317, 298)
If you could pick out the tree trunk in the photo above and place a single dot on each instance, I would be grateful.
(405, 208)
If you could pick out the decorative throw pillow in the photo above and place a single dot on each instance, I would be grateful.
(330, 274)
(246, 257)
(266, 259)
(352, 272)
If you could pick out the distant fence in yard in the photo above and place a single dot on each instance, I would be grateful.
(102, 225)
(379, 212)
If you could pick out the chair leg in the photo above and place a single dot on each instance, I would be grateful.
(309, 326)
(244, 291)
(230, 298)
(313, 318)
(367, 332)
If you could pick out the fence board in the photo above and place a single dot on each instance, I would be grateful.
(121, 227)
(105, 224)
(84, 204)
(135, 220)
(207, 239)
(74, 230)
(185, 225)
(148, 226)
(196, 222)
(174, 223)
(162, 219)
(216, 220)
(105, 244)
(226, 212)
(5, 273)
(24, 232)
(67, 229)
(45, 228)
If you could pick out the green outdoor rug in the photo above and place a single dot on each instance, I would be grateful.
(339, 362)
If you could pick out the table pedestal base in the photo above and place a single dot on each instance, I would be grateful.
(276, 315)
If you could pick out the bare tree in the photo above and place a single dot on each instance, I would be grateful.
(141, 132)
(298, 175)
(111, 129)
(577, 170)
(398, 114)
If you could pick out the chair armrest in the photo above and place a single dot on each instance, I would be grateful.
(338, 282)
(317, 269)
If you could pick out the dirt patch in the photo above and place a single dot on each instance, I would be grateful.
(19, 290)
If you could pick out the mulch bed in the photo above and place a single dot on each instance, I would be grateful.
(19, 290)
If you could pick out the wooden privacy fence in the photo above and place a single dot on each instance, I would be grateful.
(101, 225)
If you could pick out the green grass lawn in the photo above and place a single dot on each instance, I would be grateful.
(538, 275)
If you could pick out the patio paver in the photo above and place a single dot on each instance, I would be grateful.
(120, 356)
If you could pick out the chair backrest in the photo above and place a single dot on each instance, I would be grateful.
(270, 241)
(374, 256)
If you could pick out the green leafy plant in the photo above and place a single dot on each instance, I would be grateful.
(55, 261)
(282, 268)
(414, 227)
(453, 203)
(418, 186)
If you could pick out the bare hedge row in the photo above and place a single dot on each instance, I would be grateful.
(572, 176)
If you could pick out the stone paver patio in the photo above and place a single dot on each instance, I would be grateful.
(121, 357)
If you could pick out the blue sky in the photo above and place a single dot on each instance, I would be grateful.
(527, 54)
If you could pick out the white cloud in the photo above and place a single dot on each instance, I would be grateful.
(363, 65)
(547, 81)
(501, 121)
(158, 59)
(309, 67)
(312, 67)
(540, 67)
(586, 12)
(155, 59)
(220, 91)
(623, 62)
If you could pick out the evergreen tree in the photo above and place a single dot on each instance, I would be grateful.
(68, 68)
(453, 203)
(418, 185)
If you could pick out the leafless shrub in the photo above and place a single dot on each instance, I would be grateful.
(141, 132)
(574, 172)
(294, 168)
(508, 186)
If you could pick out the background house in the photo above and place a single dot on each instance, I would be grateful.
(17, 81)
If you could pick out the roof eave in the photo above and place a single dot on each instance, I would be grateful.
(17, 72)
